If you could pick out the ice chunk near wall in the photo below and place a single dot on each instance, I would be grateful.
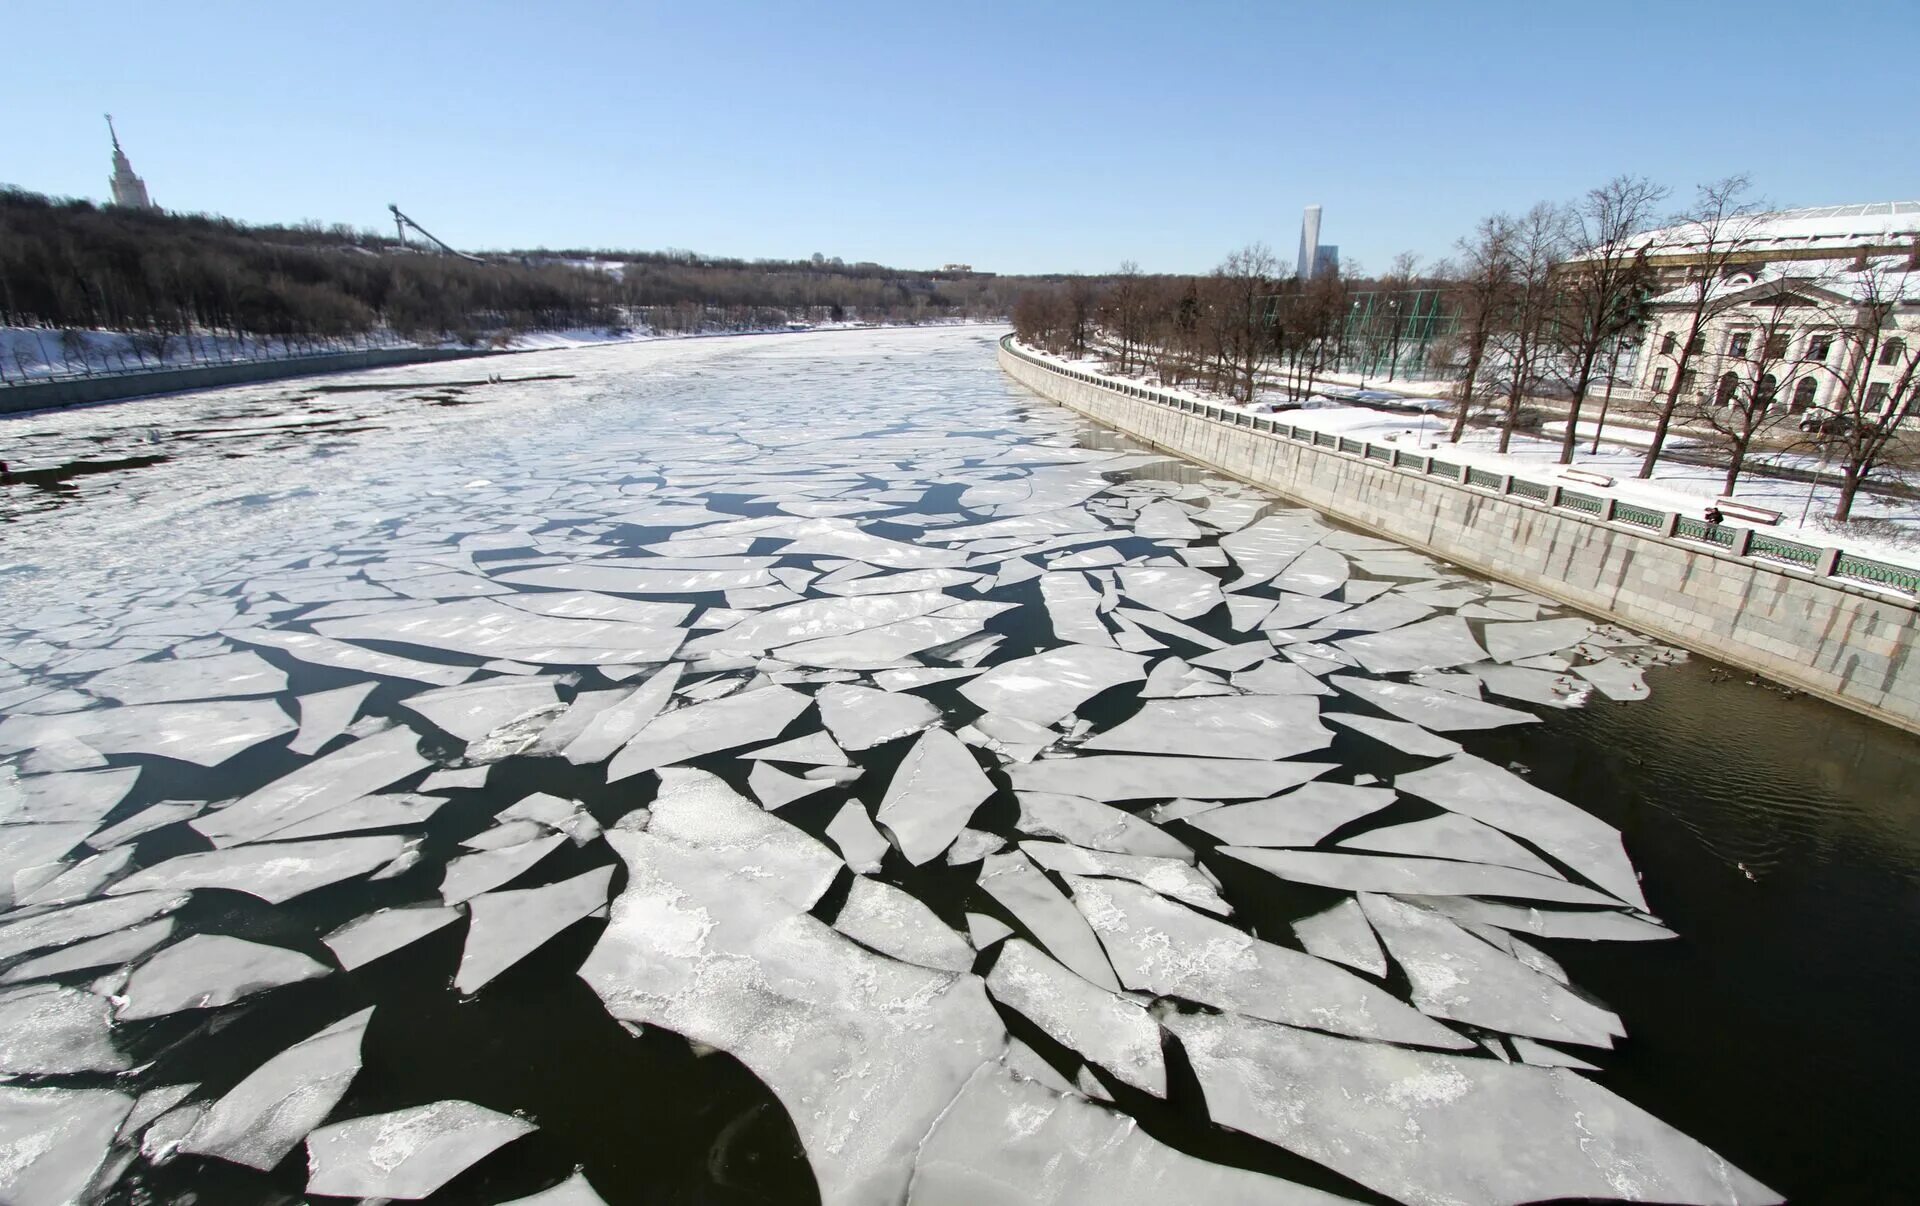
(53, 1142)
(1317, 571)
(1342, 934)
(1428, 1128)
(895, 923)
(1030, 896)
(1009, 1141)
(45, 1028)
(266, 1115)
(864, 1051)
(506, 927)
(205, 971)
(1159, 947)
(1455, 975)
(365, 939)
(707, 728)
(276, 872)
(408, 1153)
(1048, 685)
(1442, 710)
(933, 793)
(1511, 642)
(1480, 790)
(1254, 726)
(1101, 1026)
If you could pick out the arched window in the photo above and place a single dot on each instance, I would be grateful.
(1667, 343)
(1728, 384)
(1802, 395)
(1892, 350)
(1767, 392)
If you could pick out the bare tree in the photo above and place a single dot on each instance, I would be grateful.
(1713, 230)
(1747, 392)
(1602, 284)
(1397, 284)
(1125, 311)
(1485, 282)
(1875, 378)
(1538, 247)
(1241, 292)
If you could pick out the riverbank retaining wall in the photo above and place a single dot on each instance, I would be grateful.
(112, 387)
(1850, 644)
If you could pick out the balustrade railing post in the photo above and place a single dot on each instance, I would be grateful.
(1606, 509)
(1466, 474)
(1669, 523)
(1742, 539)
(1553, 496)
(1829, 562)
(1506, 483)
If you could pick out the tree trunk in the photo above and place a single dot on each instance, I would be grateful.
(1734, 465)
(1466, 395)
(1849, 488)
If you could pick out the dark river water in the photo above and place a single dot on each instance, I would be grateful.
(1779, 837)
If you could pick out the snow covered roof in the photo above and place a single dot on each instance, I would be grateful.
(1826, 227)
(1886, 278)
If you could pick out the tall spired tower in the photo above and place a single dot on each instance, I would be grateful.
(129, 190)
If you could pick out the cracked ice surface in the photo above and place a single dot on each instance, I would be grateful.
(585, 630)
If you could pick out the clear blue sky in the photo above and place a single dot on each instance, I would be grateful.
(1062, 137)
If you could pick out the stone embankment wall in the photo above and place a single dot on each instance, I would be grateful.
(1852, 645)
(110, 387)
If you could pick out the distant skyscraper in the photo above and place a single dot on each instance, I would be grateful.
(129, 191)
(1316, 258)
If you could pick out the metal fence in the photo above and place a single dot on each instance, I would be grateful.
(1724, 538)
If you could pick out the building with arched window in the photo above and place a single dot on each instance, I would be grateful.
(1811, 309)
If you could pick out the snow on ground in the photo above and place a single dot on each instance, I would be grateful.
(1675, 486)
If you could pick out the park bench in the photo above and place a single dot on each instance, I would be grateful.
(1747, 511)
(1587, 476)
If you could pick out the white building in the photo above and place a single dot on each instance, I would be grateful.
(128, 190)
(1803, 310)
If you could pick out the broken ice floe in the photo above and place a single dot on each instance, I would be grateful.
(266, 1115)
(408, 1153)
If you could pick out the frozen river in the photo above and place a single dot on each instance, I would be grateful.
(810, 768)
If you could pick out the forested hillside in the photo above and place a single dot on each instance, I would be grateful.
(70, 264)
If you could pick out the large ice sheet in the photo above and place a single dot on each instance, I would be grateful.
(1401, 735)
(53, 1141)
(316, 787)
(615, 725)
(68, 796)
(1342, 934)
(932, 795)
(1435, 1129)
(325, 715)
(1476, 788)
(266, 1115)
(1453, 836)
(1430, 644)
(861, 717)
(1016, 883)
(206, 732)
(864, 1051)
(408, 1153)
(817, 619)
(1585, 924)
(1455, 975)
(1160, 947)
(1048, 685)
(1442, 710)
(1178, 591)
(1097, 826)
(75, 923)
(506, 927)
(365, 939)
(1252, 726)
(1129, 777)
(1168, 876)
(699, 811)
(45, 1028)
(276, 872)
(1300, 817)
(325, 651)
(631, 578)
(482, 871)
(1010, 1141)
(205, 971)
(222, 676)
(896, 923)
(1073, 607)
(1411, 876)
(1101, 1026)
(1511, 642)
(473, 710)
(1264, 549)
(706, 728)
(861, 843)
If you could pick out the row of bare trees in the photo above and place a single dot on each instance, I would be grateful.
(1542, 310)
